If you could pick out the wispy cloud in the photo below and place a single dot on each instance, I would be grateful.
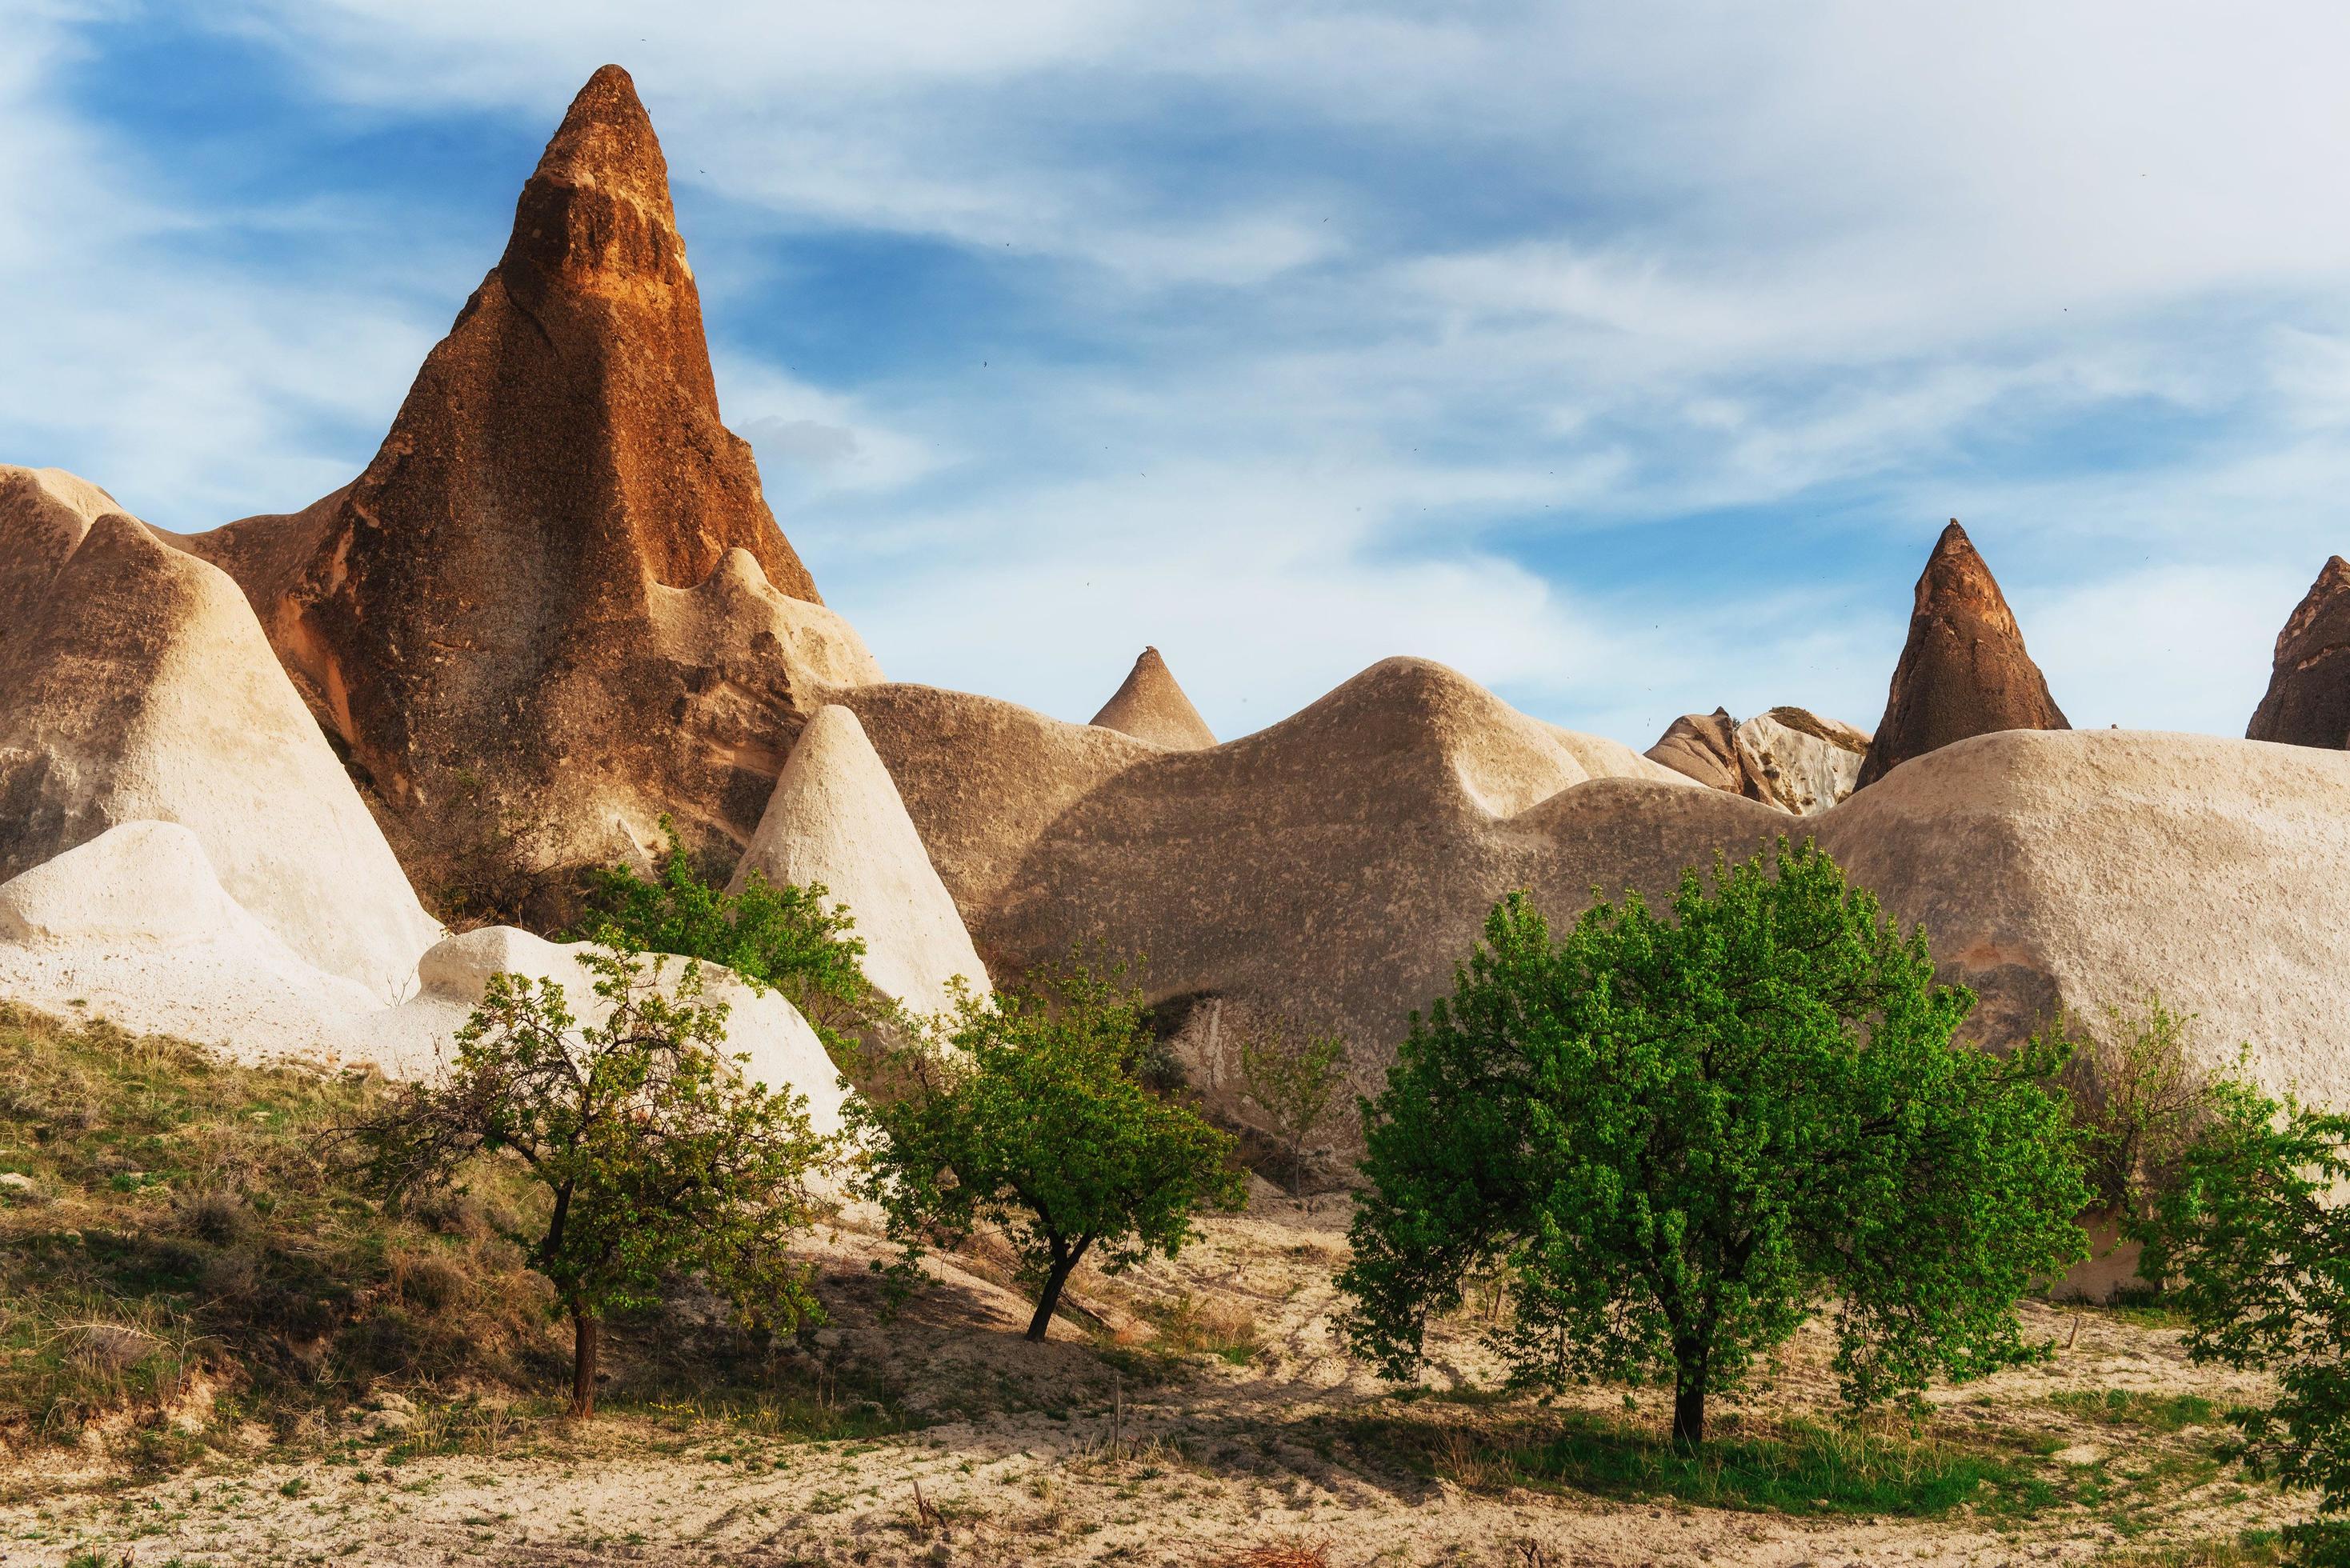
(1626, 358)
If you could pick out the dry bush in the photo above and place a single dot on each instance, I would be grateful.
(1296, 1555)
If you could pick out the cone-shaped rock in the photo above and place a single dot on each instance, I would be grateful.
(137, 688)
(1705, 747)
(2308, 701)
(491, 616)
(835, 818)
(1964, 670)
(1151, 707)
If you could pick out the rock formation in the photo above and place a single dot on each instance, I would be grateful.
(1704, 746)
(1788, 757)
(1963, 671)
(1335, 866)
(1151, 707)
(556, 605)
(2079, 870)
(136, 686)
(2308, 699)
(835, 819)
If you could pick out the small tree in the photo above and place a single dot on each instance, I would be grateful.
(655, 1152)
(2137, 1101)
(1295, 1078)
(1680, 1138)
(1025, 1112)
(2254, 1240)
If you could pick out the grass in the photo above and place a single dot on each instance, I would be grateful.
(2249, 1548)
(2147, 1412)
(192, 1258)
(1802, 1469)
(1186, 1326)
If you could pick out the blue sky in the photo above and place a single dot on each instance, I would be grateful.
(1626, 358)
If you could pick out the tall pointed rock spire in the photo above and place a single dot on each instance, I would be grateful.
(1151, 707)
(1964, 670)
(2308, 701)
(486, 616)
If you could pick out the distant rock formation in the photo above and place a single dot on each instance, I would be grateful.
(1151, 707)
(556, 605)
(1705, 747)
(2308, 699)
(1964, 670)
(1789, 757)
(136, 686)
(835, 819)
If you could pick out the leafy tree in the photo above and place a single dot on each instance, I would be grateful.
(656, 1153)
(2137, 1101)
(1681, 1138)
(1295, 1078)
(774, 935)
(2254, 1240)
(1025, 1112)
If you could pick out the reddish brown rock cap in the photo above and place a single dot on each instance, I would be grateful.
(2308, 701)
(1964, 670)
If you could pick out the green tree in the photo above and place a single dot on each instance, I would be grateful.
(2138, 1101)
(770, 934)
(656, 1153)
(1295, 1078)
(1025, 1112)
(2253, 1240)
(1681, 1138)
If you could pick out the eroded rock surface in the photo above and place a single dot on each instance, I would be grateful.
(2308, 699)
(1964, 670)
(1788, 757)
(556, 605)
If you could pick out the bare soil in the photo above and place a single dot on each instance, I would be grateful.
(1206, 1413)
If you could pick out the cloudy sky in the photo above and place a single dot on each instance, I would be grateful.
(1626, 357)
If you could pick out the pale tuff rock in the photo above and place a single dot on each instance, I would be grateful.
(1151, 707)
(1788, 757)
(138, 687)
(835, 819)
(2308, 699)
(134, 926)
(1964, 670)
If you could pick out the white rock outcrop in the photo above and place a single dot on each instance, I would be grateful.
(139, 687)
(835, 818)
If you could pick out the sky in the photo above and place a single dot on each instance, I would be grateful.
(1626, 358)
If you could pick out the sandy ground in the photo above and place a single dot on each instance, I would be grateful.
(1018, 1466)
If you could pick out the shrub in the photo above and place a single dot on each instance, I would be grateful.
(1025, 1112)
(1295, 1076)
(2138, 1103)
(2254, 1237)
(770, 934)
(655, 1152)
(1681, 1137)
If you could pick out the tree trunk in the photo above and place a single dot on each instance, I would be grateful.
(584, 1334)
(1064, 1265)
(1688, 1409)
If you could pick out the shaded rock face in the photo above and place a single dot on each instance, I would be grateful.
(136, 688)
(2308, 699)
(493, 617)
(1789, 757)
(1151, 707)
(1964, 670)
(835, 821)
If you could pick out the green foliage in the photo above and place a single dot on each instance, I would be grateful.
(780, 936)
(1295, 1078)
(2137, 1101)
(1025, 1112)
(656, 1152)
(1680, 1139)
(2255, 1240)
(1806, 1469)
